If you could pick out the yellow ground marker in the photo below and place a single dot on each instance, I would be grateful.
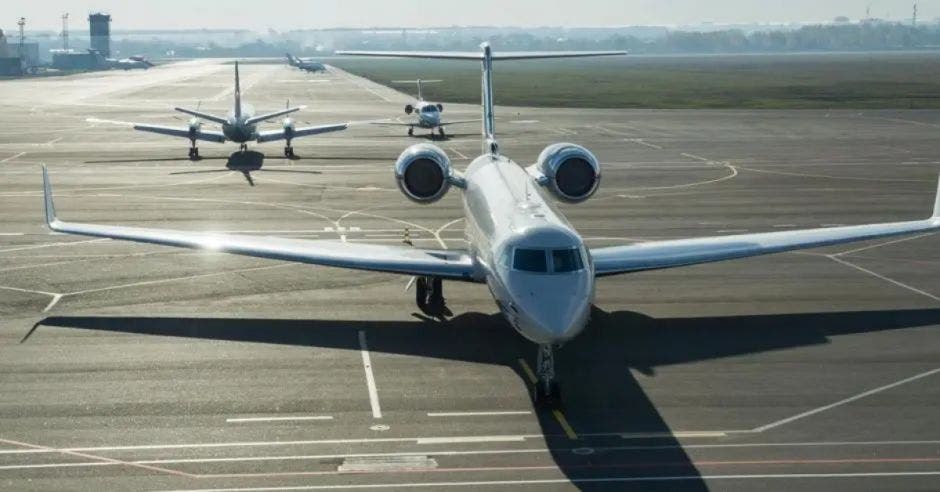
(559, 416)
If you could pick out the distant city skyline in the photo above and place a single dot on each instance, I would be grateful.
(316, 14)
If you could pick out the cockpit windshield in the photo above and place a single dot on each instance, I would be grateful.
(429, 109)
(537, 260)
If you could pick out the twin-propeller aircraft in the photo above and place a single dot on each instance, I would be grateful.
(538, 269)
(241, 126)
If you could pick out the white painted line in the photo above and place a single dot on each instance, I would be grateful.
(896, 241)
(278, 419)
(59, 465)
(461, 154)
(696, 157)
(647, 435)
(886, 279)
(783, 226)
(844, 401)
(12, 233)
(55, 300)
(549, 481)
(469, 439)
(730, 231)
(643, 142)
(370, 378)
(477, 414)
(54, 140)
(8, 159)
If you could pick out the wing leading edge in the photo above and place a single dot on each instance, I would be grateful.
(452, 264)
(682, 252)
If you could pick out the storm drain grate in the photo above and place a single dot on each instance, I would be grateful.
(386, 463)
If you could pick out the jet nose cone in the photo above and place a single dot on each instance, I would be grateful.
(555, 310)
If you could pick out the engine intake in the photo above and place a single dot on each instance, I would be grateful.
(570, 171)
(423, 173)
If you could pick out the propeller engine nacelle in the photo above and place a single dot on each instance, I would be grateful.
(409, 109)
(423, 173)
(571, 172)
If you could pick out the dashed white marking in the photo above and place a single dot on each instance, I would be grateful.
(370, 378)
(696, 157)
(731, 231)
(648, 435)
(845, 400)
(51, 245)
(783, 226)
(12, 233)
(461, 154)
(54, 140)
(478, 414)
(279, 419)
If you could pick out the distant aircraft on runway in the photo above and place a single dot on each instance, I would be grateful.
(240, 126)
(536, 265)
(427, 114)
(131, 63)
(308, 64)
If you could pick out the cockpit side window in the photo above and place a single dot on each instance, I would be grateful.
(530, 260)
(566, 260)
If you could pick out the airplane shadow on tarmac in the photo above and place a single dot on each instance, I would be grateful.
(598, 389)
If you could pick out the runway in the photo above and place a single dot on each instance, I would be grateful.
(136, 367)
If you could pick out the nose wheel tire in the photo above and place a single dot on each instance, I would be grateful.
(194, 152)
(441, 131)
(547, 393)
(411, 132)
(288, 151)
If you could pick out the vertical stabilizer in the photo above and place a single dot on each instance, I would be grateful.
(936, 203)
(238, 94)
(489, 127)
(420, 95)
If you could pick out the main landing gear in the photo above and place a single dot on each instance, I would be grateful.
(193, 151)
(289, 152)
(429, 296)
(546, 393)
(441, 132)
(243, 147)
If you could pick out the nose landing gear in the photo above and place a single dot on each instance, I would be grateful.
(193, 150)
(411, 131)
(546, 393)
(288, 151)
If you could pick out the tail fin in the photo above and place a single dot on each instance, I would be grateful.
(238, 94)
(420, 95)
(489, 120)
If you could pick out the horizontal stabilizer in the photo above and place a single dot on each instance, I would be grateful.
(263, 117)
(200, 114)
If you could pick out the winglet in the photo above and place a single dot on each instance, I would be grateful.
(936, 203)
(51, 219)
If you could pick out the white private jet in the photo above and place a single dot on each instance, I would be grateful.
(241, 126)
(534, 263)
(427, 114)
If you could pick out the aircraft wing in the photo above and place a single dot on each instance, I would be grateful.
(272, 135)
(453, 264)
(681, 252)
(208, 136)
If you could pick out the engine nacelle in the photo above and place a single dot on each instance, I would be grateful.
(570, 172)
(409, 109)
(440, 107)
(423, 173)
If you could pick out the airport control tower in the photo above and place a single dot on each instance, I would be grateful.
(100, 26)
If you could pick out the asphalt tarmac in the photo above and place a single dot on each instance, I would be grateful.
(135, 367)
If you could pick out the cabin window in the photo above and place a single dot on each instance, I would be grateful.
(530, 260)
(566, 260)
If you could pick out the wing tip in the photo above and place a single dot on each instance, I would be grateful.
(936, 203)
(51, 219)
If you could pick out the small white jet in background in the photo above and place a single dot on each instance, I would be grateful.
(427, 114)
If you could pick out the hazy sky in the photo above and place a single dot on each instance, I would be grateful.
(292, 14)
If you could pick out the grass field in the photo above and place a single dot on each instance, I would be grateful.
(801, 81)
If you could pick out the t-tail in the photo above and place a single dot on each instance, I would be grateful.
(490, 145)
(238, 94)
